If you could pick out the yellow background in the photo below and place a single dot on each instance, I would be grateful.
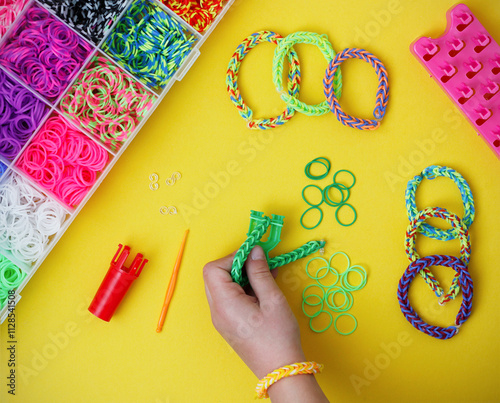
(197, 131)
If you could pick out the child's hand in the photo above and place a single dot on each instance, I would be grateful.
(259, 325)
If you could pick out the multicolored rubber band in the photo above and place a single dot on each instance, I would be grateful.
(465, 248)
(466, 285)
(284, 47)
(232, 80)
(381, 99)
(432, 172)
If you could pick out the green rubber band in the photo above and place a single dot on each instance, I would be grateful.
(337, 214)
(318, 160)
(329, 270)
(348, 299)
(349, 172)
(304, 296)
(340, 253)
(305, 212)
(312, 296)
(326, 328)
(329, 201)
(343, 187)
(304, 196)
(356, 269)
(317, 271)
(304, 303)
(347, 333)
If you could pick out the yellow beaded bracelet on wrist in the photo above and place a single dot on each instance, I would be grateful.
(298, 368)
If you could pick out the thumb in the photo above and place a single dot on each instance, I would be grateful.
(259, 275)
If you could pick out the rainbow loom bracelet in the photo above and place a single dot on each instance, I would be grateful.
(232, 80)
(381, 99)
(465, 248)
(432, 172)
(466, 284)
(283, 48)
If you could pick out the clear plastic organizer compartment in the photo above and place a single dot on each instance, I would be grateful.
(19, 175)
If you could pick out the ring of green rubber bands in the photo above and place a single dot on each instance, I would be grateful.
(326, 293)
(293, 85)
(345, 192)
(284, 47)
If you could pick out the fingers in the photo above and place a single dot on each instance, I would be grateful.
(260, 277)
(218, 281)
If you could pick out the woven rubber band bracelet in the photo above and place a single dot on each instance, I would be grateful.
(298, 368)
(432, 172)
(465, 248)
(283, 48)
(277, 261)
(465, 283)
(232, 80)
(382, 96)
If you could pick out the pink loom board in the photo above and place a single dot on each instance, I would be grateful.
(465, 61)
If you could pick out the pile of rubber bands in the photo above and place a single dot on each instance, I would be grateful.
(11, 277)
(63, 161)
(20, 114)
(28, 219)
(343, 190)
(337, 283)
(107, 102)
(91, 18)
(3, 168)
(198, 13)
(420, 265)
(9, 10)
(43, 52)
(332, 82)
(150, 43)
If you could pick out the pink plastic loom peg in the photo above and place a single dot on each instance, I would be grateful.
(465, 62)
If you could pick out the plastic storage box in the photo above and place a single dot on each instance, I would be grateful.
(22, 190)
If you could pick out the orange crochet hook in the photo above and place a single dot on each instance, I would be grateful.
(171, 285)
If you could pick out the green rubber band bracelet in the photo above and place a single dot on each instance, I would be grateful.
(317, 271)
(348, 300)
(329, 270)
(346, 333)
(305, 212)
(349, 172)
(337, 214)
(284, 46)
(339, 253)
(326, 327)
(344, 278)
(329, 201)
(304, 196)
(319, 160)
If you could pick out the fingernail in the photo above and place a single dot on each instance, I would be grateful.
(257, 253)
